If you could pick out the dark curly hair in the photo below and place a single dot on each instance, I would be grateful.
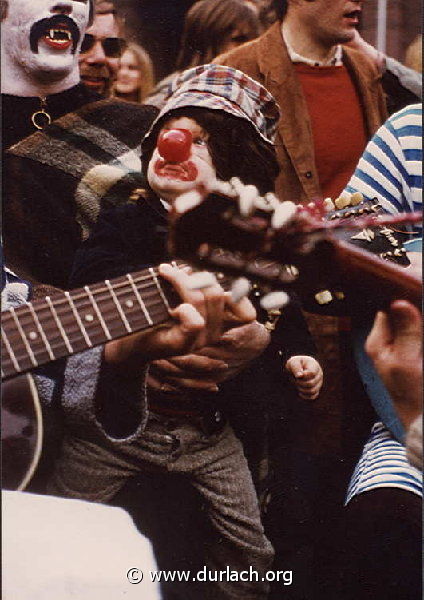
(236, 148)
(280, 7)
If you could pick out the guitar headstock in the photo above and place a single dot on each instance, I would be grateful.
(232, 229)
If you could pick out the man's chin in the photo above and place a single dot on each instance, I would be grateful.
(346, 36)
(96, 85)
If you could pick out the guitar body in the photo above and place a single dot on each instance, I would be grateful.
(21, 431)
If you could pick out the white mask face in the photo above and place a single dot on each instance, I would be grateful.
(41, 38)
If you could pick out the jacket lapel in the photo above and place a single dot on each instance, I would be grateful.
(294, 128)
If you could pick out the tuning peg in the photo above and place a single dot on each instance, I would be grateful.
(240, 288)
(283, 214)
(187, 201)
(271, 199)
(201, 280)
(237, 184)
(225, 188)
(324, 297)
(247, 200)
(274, 300)
(356, 199)
(329, 205)
(343, 200)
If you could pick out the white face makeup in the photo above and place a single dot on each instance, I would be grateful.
(171, 179)
(41, 39)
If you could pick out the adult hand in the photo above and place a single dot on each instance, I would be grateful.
(307, 374)
(213, 364)
(395, 346)
(199, 320)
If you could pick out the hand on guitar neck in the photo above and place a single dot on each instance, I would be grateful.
(199, 321)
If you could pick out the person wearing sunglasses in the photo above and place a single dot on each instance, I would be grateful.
(101, 50)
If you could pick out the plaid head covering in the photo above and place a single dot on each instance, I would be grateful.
(217, 87)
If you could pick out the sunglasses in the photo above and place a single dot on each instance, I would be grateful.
(113, 47)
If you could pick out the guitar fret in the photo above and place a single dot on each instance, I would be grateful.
(98, 313)
(79, 321)
(41, 331)
(139, 299)
(24, 338)
(10, 351)
(118, 306)
(59, 325)
(164, 298)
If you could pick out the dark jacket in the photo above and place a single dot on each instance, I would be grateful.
(132, 236)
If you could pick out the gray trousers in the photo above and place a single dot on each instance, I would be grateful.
(215, 466)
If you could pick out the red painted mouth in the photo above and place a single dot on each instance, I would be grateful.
(185, 171)
(58, 37)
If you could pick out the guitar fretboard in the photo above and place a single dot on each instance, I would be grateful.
(45, 330)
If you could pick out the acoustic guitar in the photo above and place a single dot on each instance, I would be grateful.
(42, 331)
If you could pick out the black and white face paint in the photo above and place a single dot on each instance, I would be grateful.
(41, 40)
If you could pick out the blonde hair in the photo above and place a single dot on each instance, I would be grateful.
(414, 54)
(145, 66)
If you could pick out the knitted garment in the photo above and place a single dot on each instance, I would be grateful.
(56, 181)
(338, 126)
(17, 111)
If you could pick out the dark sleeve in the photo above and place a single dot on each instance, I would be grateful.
(40, 229)
(402, 86)
(292, 335)
(125, 239)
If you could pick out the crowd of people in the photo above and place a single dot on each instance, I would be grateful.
(284, 439)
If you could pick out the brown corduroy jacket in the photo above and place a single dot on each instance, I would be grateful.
(266, 59)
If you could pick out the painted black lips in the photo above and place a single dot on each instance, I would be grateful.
(58, 27)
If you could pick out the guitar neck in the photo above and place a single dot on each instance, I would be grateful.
(380, 280)
(45, 330)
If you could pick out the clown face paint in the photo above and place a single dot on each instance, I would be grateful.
(41, 40)
(170, 179)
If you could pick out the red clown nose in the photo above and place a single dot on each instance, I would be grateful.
(174, 144)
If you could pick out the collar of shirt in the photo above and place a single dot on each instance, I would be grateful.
(334, 61)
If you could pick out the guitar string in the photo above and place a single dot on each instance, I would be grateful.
(102, 295)
(156, 309)
(26, 318)
(82, 302)
(59, 349)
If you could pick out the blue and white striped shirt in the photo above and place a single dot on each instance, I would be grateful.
(383, 464)
(391, 167)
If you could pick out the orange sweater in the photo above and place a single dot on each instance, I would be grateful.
(338, 127)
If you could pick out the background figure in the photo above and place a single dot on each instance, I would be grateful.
(383, 528)
(211, 27)
(135, 79)
(101, 49)
(38, 87)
